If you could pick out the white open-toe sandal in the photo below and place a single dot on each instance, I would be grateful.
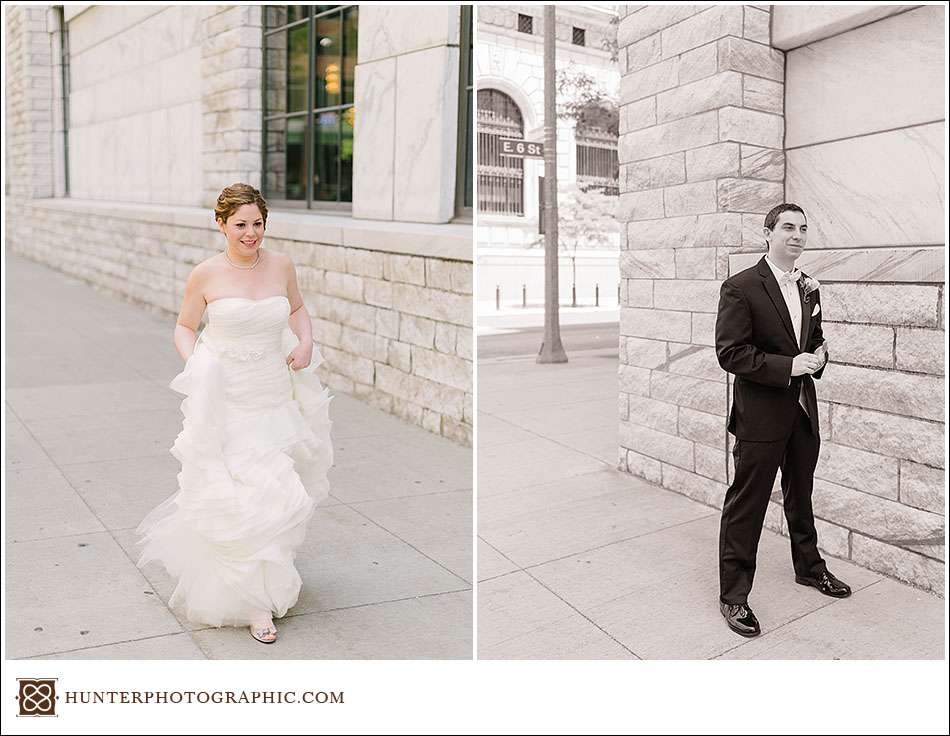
(264, 633)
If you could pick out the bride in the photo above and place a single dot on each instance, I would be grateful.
(255, 443)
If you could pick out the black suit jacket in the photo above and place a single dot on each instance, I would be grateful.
(756, 343)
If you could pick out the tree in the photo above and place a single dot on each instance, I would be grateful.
(582, 99)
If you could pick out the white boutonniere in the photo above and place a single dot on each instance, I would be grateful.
(809, 285)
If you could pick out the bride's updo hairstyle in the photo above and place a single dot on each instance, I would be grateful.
(236, 195)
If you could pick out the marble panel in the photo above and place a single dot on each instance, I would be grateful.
(911, 265)
(176, 80)
(884, 189)
(387, 31)
(375, 129)
(795, 25)
(426, 117)
(184, 154)
(99, 23)
(886, 75)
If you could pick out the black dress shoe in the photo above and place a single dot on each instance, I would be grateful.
(827, 584)
(740, 619)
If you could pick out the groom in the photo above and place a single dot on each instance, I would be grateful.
(768, 334)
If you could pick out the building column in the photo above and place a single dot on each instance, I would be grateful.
(29, 112)
(406, 133)
(701, 162)
(231, 105)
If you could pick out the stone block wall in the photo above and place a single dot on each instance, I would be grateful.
(866, 137)
(701, 162)
(718, 126)
(231, 107)
(394, 328)
(28, 127)
(391, 302)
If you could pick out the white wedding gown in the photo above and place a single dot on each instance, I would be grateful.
(254, 452)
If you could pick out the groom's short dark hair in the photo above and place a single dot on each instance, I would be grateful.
(772, 217)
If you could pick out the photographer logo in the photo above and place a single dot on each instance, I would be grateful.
(37, 697)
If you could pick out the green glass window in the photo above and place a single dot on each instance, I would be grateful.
(309, 70)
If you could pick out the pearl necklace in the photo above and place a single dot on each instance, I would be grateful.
(243, 268)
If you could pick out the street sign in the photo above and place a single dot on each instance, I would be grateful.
(520, 149)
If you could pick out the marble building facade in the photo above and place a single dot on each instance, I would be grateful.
(163, 108)
(509, 59)
(726, 111)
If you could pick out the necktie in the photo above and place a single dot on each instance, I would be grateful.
(790, 278)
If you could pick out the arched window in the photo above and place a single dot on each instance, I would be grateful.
(500, 178)
(597, 162)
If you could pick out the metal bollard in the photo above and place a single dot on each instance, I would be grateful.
(524, 295)
(497, 297)
(596, 295)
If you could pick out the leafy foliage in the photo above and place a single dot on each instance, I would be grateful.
(582, 99)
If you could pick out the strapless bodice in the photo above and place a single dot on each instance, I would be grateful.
(244, 328)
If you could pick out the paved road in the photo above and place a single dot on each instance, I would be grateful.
(527, 340)
(89, 418)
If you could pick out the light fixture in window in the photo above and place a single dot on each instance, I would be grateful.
(331, 78)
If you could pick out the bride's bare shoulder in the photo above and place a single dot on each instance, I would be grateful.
(207, 267)
(203, 274)
(282, 262)
(281, 258)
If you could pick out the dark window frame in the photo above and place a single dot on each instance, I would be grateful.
(526, 24)
(64, 58)
(464, 169)
(579, 33)
(308, 203)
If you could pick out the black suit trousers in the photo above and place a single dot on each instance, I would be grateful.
(747, 500)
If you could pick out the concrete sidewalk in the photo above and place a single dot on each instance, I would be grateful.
(89, 420)
(579, 561)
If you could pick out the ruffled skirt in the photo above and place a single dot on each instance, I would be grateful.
(254, 451)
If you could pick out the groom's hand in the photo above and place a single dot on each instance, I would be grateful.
(805, 363)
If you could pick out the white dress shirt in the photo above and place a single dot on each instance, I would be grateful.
(794, 304)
